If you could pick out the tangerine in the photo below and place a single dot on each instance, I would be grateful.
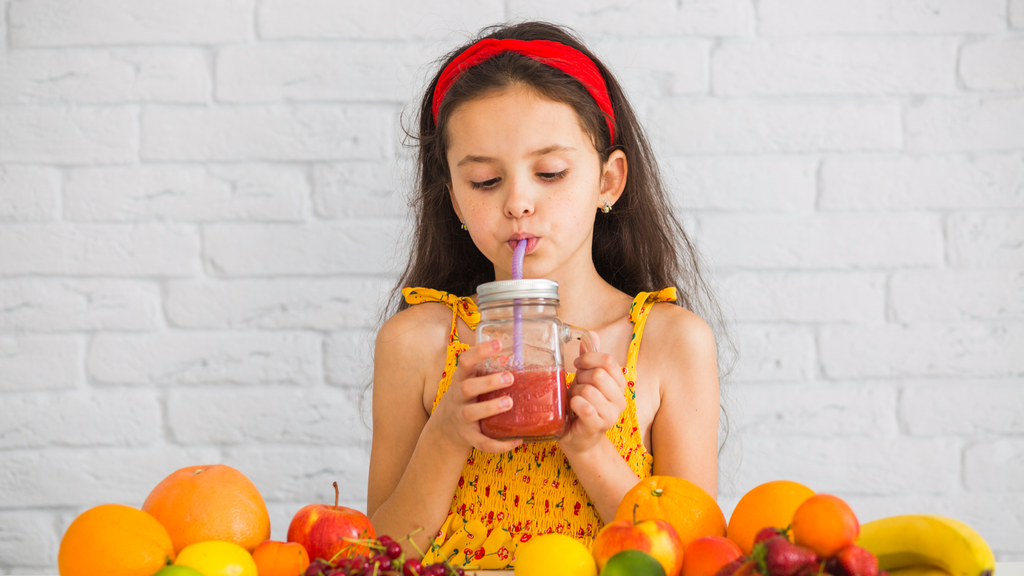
(114, 540)
(707, 555)
(681, 503)
(771, 504)
(201, 503)
(275, 558)
(826, 524)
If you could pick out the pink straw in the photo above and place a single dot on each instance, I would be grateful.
(517, 327)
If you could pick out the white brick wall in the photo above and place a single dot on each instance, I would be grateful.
(201, 205)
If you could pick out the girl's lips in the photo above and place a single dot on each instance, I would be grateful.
(531, 244)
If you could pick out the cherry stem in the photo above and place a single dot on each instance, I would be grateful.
(335, 495)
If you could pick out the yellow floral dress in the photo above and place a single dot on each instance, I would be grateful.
(503, 500)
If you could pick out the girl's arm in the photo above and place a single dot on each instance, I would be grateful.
(684, 436)
(416, 459)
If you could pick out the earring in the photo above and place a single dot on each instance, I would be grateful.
(606, 208)
(463, 225)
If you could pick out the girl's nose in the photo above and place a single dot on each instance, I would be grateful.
(518, 198)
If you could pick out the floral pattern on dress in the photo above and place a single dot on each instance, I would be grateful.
(531, 489)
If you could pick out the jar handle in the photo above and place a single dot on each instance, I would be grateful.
(570, 333)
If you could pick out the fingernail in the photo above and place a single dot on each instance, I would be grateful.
(507, 378)
(495, 344)
(506, 402)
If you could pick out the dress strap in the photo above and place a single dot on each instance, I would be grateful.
(462, 307)
(638, 312)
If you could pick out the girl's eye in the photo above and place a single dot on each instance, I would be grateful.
(552, 176)
(485, 185)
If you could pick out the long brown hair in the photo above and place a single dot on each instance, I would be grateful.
(638, 247)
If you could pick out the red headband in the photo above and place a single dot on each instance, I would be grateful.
(567, 59)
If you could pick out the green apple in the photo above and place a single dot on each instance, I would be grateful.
(178, 571)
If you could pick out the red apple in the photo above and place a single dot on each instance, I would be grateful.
(655, 537)
(331, 532)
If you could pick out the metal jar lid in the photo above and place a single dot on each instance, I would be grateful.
(503, 290)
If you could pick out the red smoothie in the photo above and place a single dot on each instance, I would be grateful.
(540, 407)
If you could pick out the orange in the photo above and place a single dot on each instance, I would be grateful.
(683, 504)
(275, 558)
(217, 502)
(825, 524)
(114, 540)
(770, 504)
(707, 555)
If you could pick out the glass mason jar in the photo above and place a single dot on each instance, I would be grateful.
(523, 315)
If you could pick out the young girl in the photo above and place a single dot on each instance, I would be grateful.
(524, 134)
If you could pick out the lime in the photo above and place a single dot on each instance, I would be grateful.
(215, 558)
(632, 563)
(554, 554)
(177, 571)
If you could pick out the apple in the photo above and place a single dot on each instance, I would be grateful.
(331, 532)
(655, 537)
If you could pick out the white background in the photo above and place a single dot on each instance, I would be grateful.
(200, 202)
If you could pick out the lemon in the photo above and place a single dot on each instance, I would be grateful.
(215, 558)
(177, 571)
(554, 554)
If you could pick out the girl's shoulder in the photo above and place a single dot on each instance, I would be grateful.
(421, 325)
(674, 336)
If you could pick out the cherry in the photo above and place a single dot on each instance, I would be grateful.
(384, 540)
(412, 567)
(393, 550)
(382, 562)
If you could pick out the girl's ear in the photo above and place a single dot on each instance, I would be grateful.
(613, 178)
(455, 203)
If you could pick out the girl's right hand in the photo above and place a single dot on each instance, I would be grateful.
(458, 414)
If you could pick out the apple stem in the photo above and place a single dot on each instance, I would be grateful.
(335, 495)
(657, 492)
(635, 506)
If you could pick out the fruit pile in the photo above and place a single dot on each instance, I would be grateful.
(385, 558)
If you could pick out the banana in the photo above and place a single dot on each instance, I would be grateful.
(919, 570)
(915, 539)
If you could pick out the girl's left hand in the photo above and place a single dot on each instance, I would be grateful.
(597, 397)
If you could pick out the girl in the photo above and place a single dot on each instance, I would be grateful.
(524, 134)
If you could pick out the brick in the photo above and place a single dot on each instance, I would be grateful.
(99, 249)
(340, 247)
(815, 410)
(30, 363)
(956, 295)
(986, 239)
(279, 133)
(40, 478)
(822, 241)
(744, 184)
(990, 349)
(652, 67)
(774, 354)
(965, 124)
(808, 17)
(996, 517)
(265, 416)
(29, 194)
(348, 359)
(79, 419)
(187, 358)
(835, 66)
(96, 76)
(995, 466)
(28, 538)
(1017, 13)
(996, 64)
(68, 135)
(81, 304)
(805, 297)
(288, 303)
(692, 126)
(309, 71)
(968, 407)
(645, 19)
(305, 473)
(882, 183)
(187, 193)
(102, 22)
(362, 189)
(854, 466)
(388, 19)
